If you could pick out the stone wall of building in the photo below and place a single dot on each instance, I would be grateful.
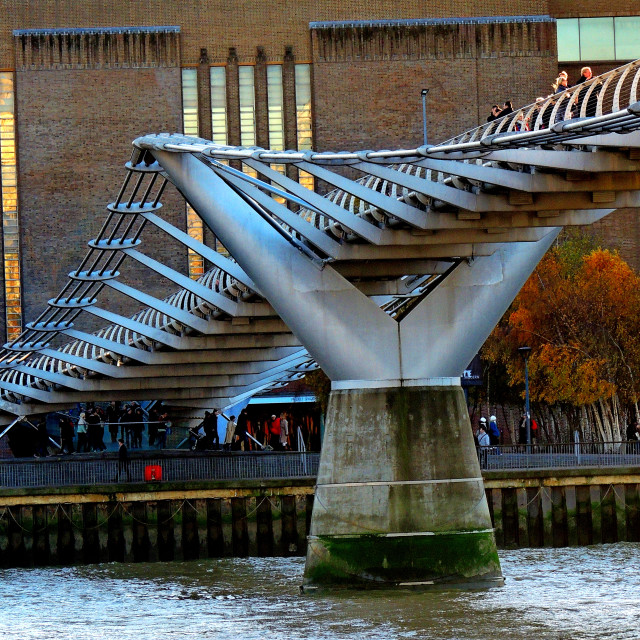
(368, 77)
(592, 8)
(77, 114)
(218, 25)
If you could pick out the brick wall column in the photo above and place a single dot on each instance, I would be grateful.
(233, 98)
(289, 106)
(261, 111)
(204, 96)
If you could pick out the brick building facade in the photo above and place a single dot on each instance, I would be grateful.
(87, 78)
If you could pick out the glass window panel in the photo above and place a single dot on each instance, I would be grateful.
(568, 40)
(274, 107)
(627, 32)
(303, 106)
(596, 39)
(247, 106)
(195, 229)
(303, 118)
(306, 180)
(190, 124)
(190, 101)
(219, 104)
(9, 207)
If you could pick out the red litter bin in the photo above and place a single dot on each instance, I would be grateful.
(152, 472)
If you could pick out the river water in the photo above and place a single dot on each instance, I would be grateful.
(556, 594)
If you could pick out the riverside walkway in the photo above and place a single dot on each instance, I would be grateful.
(184, 466)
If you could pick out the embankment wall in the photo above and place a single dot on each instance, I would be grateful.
(187, 521)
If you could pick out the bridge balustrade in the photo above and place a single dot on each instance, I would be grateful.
(102, 469)
(184, 467)
(560, 455)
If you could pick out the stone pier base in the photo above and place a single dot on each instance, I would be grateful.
(400, 500)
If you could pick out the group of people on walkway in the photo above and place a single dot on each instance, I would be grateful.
(560, 85)
(86, 433)
(128, 425)
(488, 435)
(272, 434)
(500, 112)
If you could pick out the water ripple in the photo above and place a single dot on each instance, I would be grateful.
(584, 593)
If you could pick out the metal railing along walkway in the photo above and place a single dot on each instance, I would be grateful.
(102, 469)
(90, 469)
(560, 455)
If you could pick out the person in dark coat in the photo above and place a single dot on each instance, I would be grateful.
(138, 427)
(123, 461)
(210, 428)
(42, 439)
(154, 418)
(66, 434)
(161, 441)
(127, 427)
(507, 108)
(634, 436)
(585, 74)
(113, 418)
(242, 428)
(495, 113)
(95, 431)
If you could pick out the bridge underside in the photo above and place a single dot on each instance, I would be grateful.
(390, 282)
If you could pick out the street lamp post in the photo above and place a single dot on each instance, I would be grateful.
(423, 93)
(524, 352)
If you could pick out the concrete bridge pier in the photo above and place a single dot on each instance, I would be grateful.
(400, 499)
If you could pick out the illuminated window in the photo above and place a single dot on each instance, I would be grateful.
(275, 105)
(190, 125)
(219, 105)
(219, 127)
(592, 39)
(10, 226)
(303, 117)
(190, 101)
(247, 106)
(195, 229)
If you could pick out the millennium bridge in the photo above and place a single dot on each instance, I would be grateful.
(390, 282)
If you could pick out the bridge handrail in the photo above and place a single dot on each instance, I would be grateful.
(608, 89)
(92, 469)
(560, 455)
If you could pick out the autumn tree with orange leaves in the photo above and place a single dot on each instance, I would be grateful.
(580, 314)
